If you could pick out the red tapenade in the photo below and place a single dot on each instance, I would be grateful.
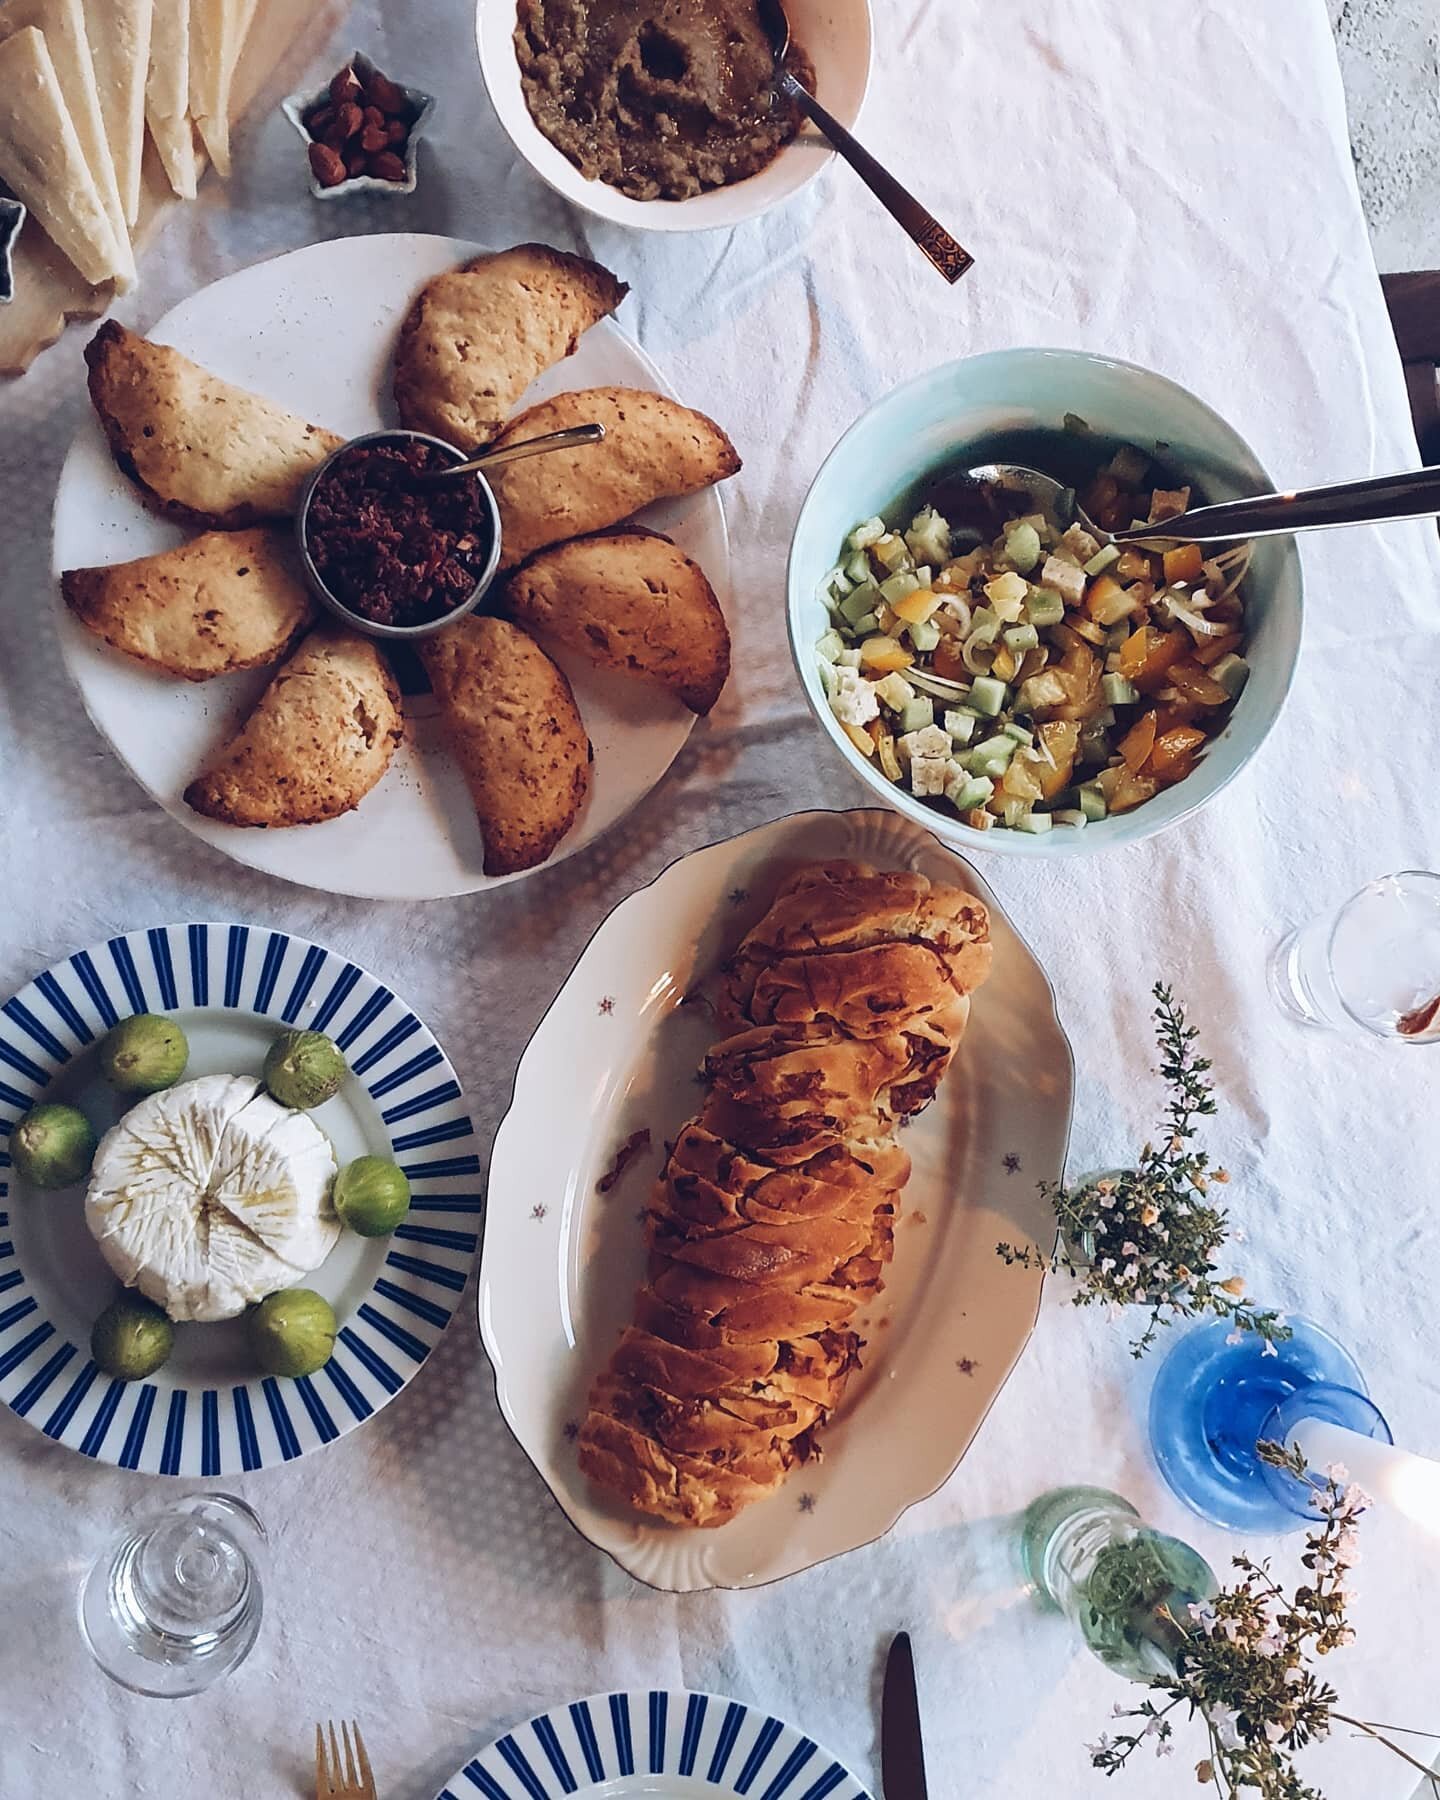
(389, 548)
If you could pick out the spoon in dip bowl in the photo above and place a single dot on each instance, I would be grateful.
(569, 439)
(949, 257)
(1374, 499)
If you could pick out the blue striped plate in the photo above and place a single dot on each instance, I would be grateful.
(658, 1745)
(231, 987)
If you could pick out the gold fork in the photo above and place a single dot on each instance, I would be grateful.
(353, 1781)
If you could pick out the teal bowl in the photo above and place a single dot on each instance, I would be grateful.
(936, 423)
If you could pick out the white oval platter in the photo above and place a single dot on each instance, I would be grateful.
(617, 1052)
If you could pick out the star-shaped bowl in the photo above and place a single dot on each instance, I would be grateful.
(12, 217)
(421, 104)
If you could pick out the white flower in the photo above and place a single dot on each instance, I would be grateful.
(1107, 1263)
(1268, 1349)
(1119, 1710)
(1164, 1748)
(1227, 1729)
(1338, 1473)
(1271, 1643)
(1293, 1677)
(1273, 1731)
(1140, 1296)
(1129, 1249)
(1203, 1613)
(1235, 1337)
(1099, 1747)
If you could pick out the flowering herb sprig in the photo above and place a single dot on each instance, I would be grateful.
(1242, 1662)
(1149, 1236)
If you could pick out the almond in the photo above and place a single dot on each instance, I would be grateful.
(356, 163)
(382, 92)
(318, 121)
(397, 131)
(387, 166)
(327, 164)
(348, 120)
(346, 85)
(374, 116)
(374, 137)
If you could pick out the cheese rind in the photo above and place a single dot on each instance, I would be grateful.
(42, 163)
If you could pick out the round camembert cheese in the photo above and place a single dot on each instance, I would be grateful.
(210, 1195)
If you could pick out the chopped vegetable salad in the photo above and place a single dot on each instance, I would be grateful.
(1039, 679)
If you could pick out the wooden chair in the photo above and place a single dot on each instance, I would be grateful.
(1414, 302)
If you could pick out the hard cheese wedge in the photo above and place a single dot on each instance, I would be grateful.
(43, 164)
(63, 23)
(167, 95)
(119, 33)
(216, 31)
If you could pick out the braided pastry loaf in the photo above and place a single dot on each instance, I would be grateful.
(774, 1215)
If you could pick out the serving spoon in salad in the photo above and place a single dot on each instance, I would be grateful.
(1372, 500)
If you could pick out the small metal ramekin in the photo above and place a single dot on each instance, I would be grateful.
(357, 621)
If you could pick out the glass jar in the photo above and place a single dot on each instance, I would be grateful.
(1126, 1586)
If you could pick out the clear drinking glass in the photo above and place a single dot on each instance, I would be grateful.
(176, 1604)
(1374, 964)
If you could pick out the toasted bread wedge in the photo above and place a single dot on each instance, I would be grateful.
(225, 601)
(320, 738)
(630, 601)
(510, 719)
(476, 337)
(653, 448)
(199, 449)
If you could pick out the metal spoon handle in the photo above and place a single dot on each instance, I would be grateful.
(1411, 494)
(949, 257)
(536, 446)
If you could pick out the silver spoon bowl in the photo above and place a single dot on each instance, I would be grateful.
(1410, 494)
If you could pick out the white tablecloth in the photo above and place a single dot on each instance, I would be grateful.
(1169, 181)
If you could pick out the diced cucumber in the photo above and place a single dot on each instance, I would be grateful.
(837, 583)
(916, 714)
(1021, 638)
(1045, 606)
(1035, 822)
(857, 568)
(1070, 816)
(829, 646)
(984, 626)
(992, 757)
(961, 725)
(1023, 547)
(829, 680)
(1102, 559)
(1092, 800)
(859, 601)
(1019, 733)
(1118, 691)
(929, 536)
(891, 553)
(867, 623)
(1232, 672)
(1014, 813)
(924, 634)
(965, 791)
(863, 536)
(896, 587)
(987, 695)
(848, 659)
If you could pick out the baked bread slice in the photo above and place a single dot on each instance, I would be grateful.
(629, 601)
(320, 737)
(198, 448)
(227, 600)
(653, 448)
(511, 722)
(477, 336)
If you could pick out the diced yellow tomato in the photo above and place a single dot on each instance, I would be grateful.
(884, 656)
(916, 608)
(1171, 748)
(1177, 772)
(885, 746)
(1079, 670)
(1132, 791)
(1195, 684)
(1138, 741)
(1212, 649)
(948, 661)
(1107, 602)
(859, 737)
(1164, 651)
(1021, 780)
(1174, 713)
(1061, 737)
(1184, 563)
(1135, 565)
(1004, 665)
(1134, 651)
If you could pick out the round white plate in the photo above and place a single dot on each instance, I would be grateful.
(562, 1262)
(665, 1746)
(314, 331)
(232, 988)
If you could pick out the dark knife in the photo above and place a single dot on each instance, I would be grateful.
(902, 1750)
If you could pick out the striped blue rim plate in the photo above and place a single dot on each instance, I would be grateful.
(655, 1744)
(394, 1296)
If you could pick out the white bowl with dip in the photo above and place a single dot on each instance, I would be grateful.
(835, 34)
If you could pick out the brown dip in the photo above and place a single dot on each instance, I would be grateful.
(659, 98)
